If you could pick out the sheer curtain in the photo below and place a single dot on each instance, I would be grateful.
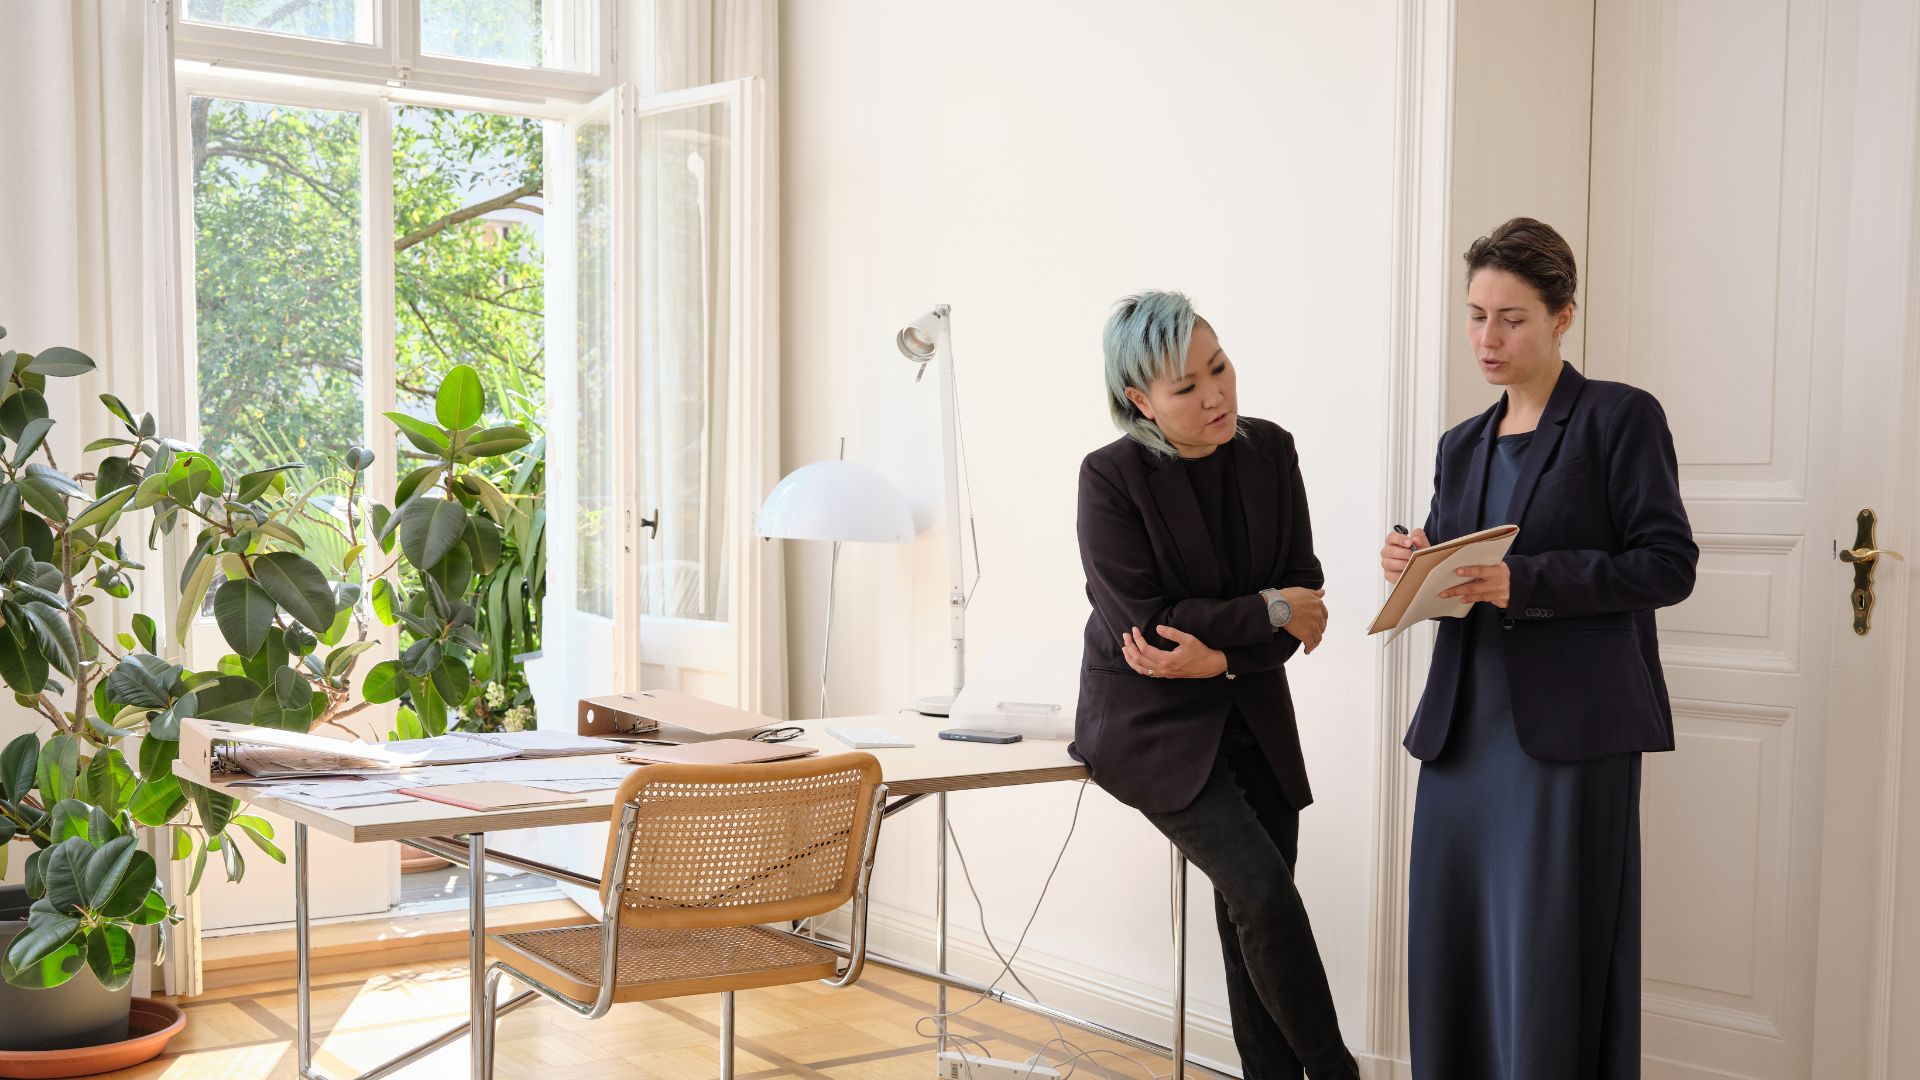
(685, 326)
(87, 259)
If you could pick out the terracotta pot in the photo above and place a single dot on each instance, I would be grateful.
(149, 1026)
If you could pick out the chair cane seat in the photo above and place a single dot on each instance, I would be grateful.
(662, 963)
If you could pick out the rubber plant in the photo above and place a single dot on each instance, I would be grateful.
(296, 624)
(457, 534)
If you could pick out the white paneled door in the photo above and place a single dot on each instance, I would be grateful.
(1725, 269)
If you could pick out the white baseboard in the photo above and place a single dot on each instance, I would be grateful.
(1379, 1068)
(1120, 1003)
(1100, 996)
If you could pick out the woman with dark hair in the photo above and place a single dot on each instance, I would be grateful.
(1524, 921)
(1200, 567)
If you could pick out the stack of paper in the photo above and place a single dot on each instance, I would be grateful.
(542, 744)
(379, 787)
(489, 796)
(459, 747)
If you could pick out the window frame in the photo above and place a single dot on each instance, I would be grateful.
(393, 60)
(375, 107)
(374, 103)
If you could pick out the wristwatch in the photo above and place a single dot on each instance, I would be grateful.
(1279, 612)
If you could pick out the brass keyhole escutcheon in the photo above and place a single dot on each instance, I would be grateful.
(1864, 557)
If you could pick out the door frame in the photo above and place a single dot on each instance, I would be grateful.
(1419, 303)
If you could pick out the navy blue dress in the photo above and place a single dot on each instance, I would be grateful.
(1524, 928)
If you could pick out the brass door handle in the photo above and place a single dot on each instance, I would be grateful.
(1867, 555)
(1864, 557)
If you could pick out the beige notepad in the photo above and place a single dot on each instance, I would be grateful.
(1416, 596)
(490, 795)
(717, 752)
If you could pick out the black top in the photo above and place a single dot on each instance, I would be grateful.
(1487, 661)
(1218, 489)
(1502, 472)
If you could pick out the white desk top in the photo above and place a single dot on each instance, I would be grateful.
(932, 765)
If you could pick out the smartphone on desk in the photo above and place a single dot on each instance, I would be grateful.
(962, 734)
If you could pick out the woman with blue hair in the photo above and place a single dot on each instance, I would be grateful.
(1200, 567)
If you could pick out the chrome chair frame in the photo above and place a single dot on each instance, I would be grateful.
(610, 947)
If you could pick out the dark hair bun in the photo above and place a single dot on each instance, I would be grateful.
(1533, 252)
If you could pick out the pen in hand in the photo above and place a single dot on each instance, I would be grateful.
(1397, 554)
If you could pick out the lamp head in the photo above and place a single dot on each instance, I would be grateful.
(917, 340)
(836, 500)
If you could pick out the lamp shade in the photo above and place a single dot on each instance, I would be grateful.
(837, 500)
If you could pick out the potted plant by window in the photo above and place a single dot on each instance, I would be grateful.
(284, 568)
(68, 933)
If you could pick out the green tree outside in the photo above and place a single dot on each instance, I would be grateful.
(278, 280)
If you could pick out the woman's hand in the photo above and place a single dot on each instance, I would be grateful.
(1309, 621)
(1190, 658)
(1397, 552)
(1489, 583)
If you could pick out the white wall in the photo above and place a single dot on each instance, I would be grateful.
(1030, 164)
(1521, 119)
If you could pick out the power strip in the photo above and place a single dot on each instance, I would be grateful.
(954, 1065)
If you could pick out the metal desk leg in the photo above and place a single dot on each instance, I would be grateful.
(476, 960)
(940, 918)
(477, 948)
(302, 953)
(1179, 965)
(726, 1036)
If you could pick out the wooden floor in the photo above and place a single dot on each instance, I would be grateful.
(865, 1031)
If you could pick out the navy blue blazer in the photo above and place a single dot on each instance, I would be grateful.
(1144, 546)
(1604, 540)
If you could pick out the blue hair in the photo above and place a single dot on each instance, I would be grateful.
(1146, 337)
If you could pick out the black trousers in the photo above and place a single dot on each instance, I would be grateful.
(1245, 838)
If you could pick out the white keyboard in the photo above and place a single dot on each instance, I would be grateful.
(866, 738)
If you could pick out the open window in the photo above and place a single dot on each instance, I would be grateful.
(658, 408)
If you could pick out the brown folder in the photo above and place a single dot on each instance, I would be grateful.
(643, 711)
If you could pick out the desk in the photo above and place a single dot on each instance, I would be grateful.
(934, 768)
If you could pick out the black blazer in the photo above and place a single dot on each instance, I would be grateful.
(1604, 540)
(1145, 548)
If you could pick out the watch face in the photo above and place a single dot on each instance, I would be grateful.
(1279, 612)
